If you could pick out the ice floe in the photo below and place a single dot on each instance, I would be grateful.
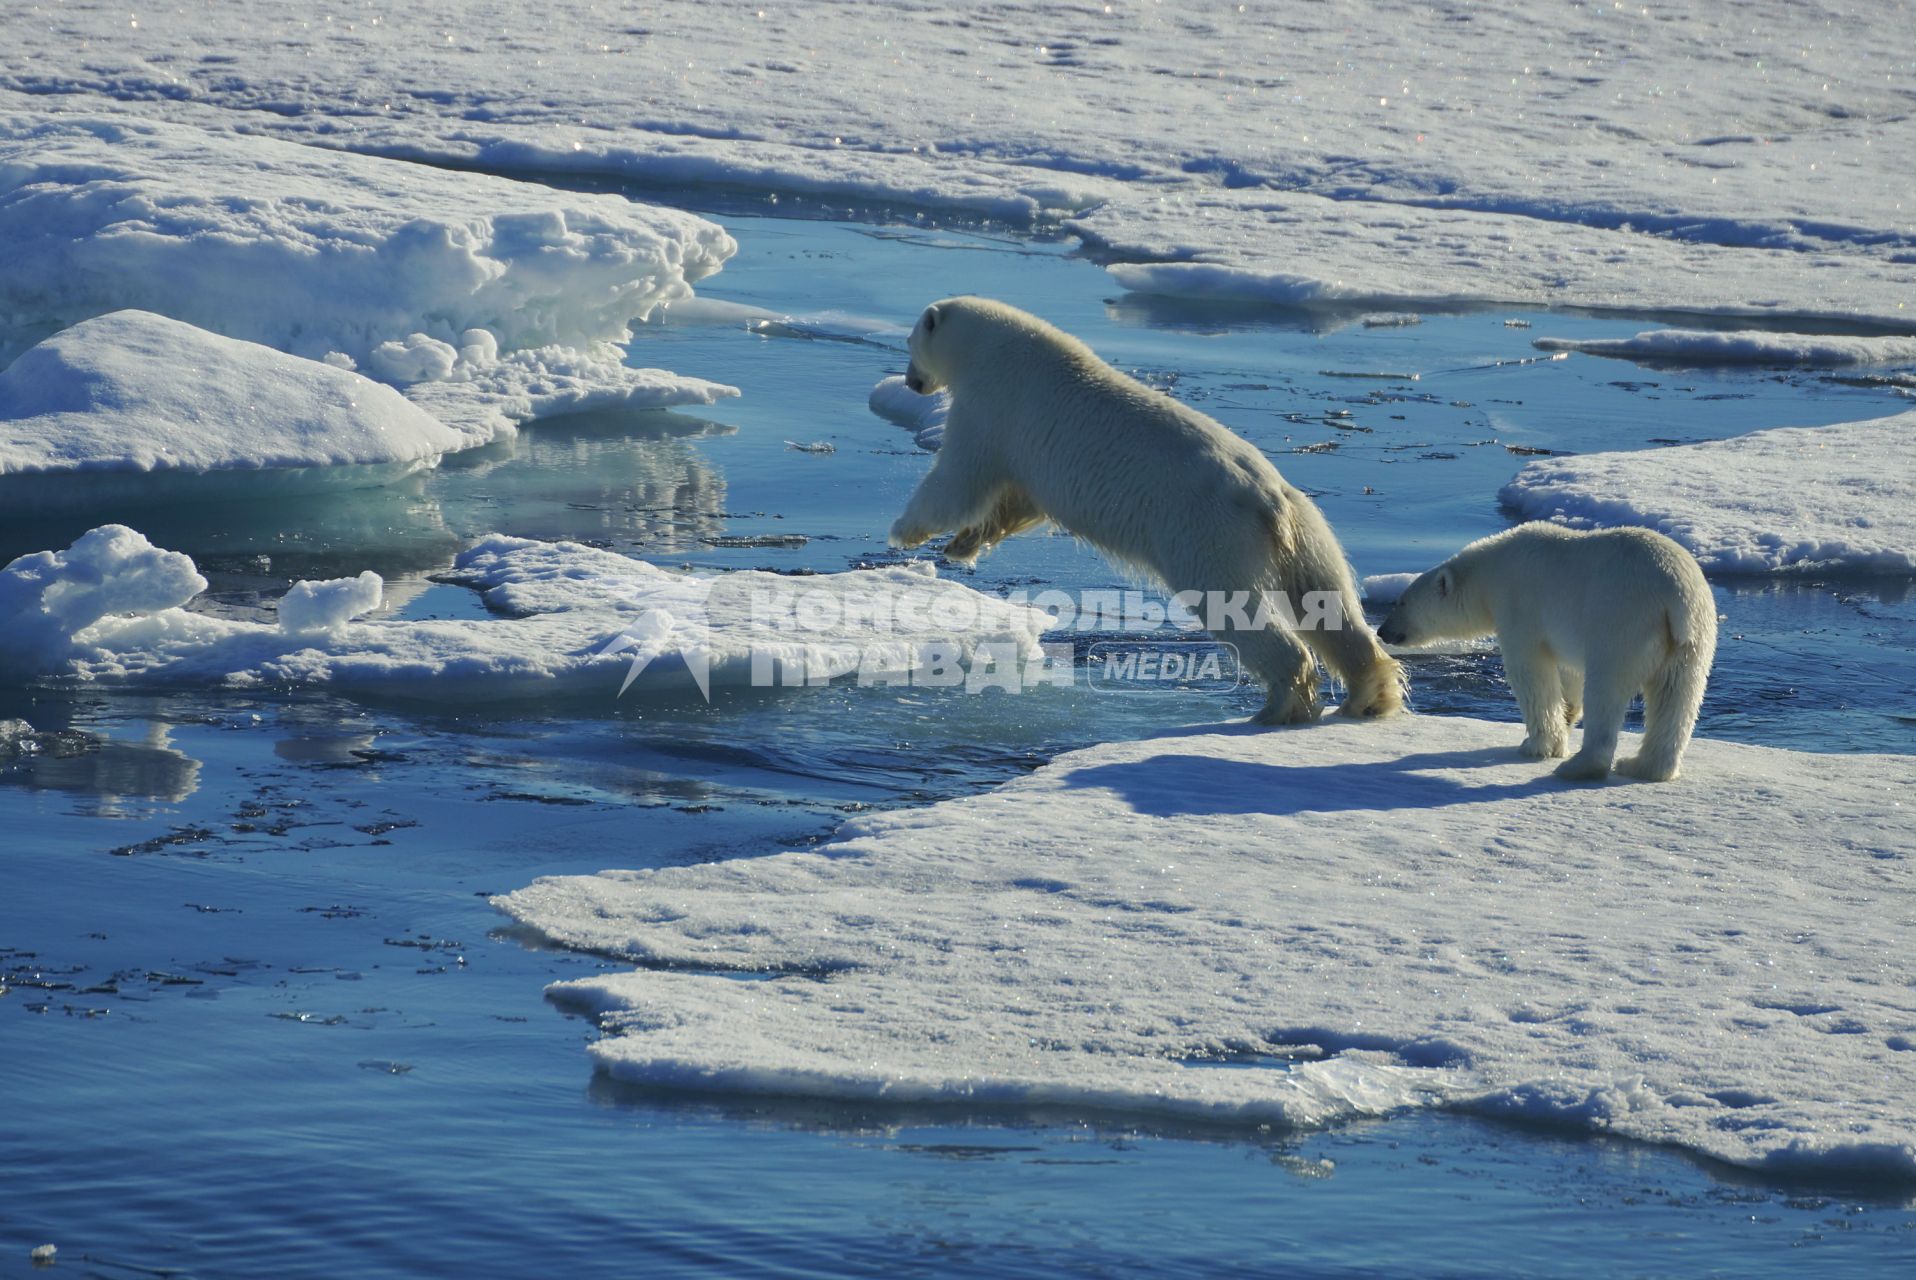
(507, 300)
(312, 251)
(1744, 346)
(136, 392)
(1301, 926)
(1313, 252)
(1839, 498)
(571, 620)
(1386, 588)
(1689, 155)
(923, 416)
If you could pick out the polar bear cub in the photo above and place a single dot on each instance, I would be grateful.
(1585, 622)
(1041, 430)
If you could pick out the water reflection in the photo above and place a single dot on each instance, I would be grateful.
(339, 749)
(110, 769)
(274, 538)
(630, 481)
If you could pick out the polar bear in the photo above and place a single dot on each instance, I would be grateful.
(1041, 430)
(1585, 622)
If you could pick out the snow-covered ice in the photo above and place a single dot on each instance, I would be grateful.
(923, 416)
(1369, 152)
(1362, 917)
(113, 607)
(1835, 498)
(506, 299)
(1316, 252)
(313, 251)
(485, 397)
(50, 597)
(133, 391)
(1743, 346)
(1386, 588)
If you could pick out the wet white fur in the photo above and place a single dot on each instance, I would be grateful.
(1040, 430)
(1586, 621)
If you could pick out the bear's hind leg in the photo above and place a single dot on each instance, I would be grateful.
(1571, 681)
(1671, 699)
(1285, 666)
(1606, 701)
(1540, 697)
(1012, 513)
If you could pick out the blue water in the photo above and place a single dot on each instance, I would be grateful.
(259, 1020)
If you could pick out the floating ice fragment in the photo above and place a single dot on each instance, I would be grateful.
(1387, 588)
(923, 416)
(109, 608)
(329, 605)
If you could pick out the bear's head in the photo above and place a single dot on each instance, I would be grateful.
(1438, 606)
(932, 345)
(922, 374)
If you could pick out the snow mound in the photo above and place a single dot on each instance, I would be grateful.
(330, 605)
(313, 251)
(412, 273)
(923, 416)
(49, 597)
(492, 396)
(1840, 498)
(1745, 346)
(1358, 918)
(574, 618)
(133, 391)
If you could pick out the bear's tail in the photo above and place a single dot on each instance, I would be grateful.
(1374, 682)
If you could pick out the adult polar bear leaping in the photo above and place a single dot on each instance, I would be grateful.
(1585, 621)
(1040, 430)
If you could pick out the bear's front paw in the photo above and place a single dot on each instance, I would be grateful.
(905, 536)
(1580, 768)
(1544, 747)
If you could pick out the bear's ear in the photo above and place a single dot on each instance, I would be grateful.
(1443, 584)
(931, 318)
